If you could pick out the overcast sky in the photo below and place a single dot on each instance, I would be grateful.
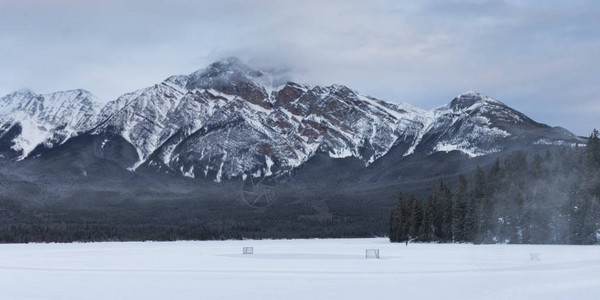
(540, 57)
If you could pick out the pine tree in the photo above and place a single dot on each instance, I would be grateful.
(396, 220)
(435, 216)
(483, 207)
(591, 222)
(593, 148)
(459, 210)
(425, 232)
(445, 196)
(494, 177)
(405, 209)
(416, 217)
(473, 202)
(575, 211)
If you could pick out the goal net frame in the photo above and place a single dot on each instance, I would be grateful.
(372, 253)
(248, 250)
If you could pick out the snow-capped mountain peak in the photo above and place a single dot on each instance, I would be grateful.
(46, 119)
(469, 99)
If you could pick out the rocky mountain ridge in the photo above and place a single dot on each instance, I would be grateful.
(232, 121)
(29, 120)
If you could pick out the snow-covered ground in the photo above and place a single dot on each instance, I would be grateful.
(297, 269)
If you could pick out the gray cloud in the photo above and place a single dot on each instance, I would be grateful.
(539, 57)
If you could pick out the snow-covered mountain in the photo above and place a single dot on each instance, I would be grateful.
(476, 125)
(230, 121)
(29, 120)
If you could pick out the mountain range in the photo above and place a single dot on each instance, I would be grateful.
(199, 136)
(231, 121)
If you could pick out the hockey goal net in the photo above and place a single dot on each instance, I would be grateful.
(372, 253)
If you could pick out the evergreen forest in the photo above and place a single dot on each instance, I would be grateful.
(551, 198)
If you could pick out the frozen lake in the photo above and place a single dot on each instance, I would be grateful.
(297, 269)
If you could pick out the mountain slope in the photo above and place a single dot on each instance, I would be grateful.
(29, 120)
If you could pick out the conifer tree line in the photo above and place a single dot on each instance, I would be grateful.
(553, 198)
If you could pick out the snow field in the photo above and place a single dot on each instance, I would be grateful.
(297, 269)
